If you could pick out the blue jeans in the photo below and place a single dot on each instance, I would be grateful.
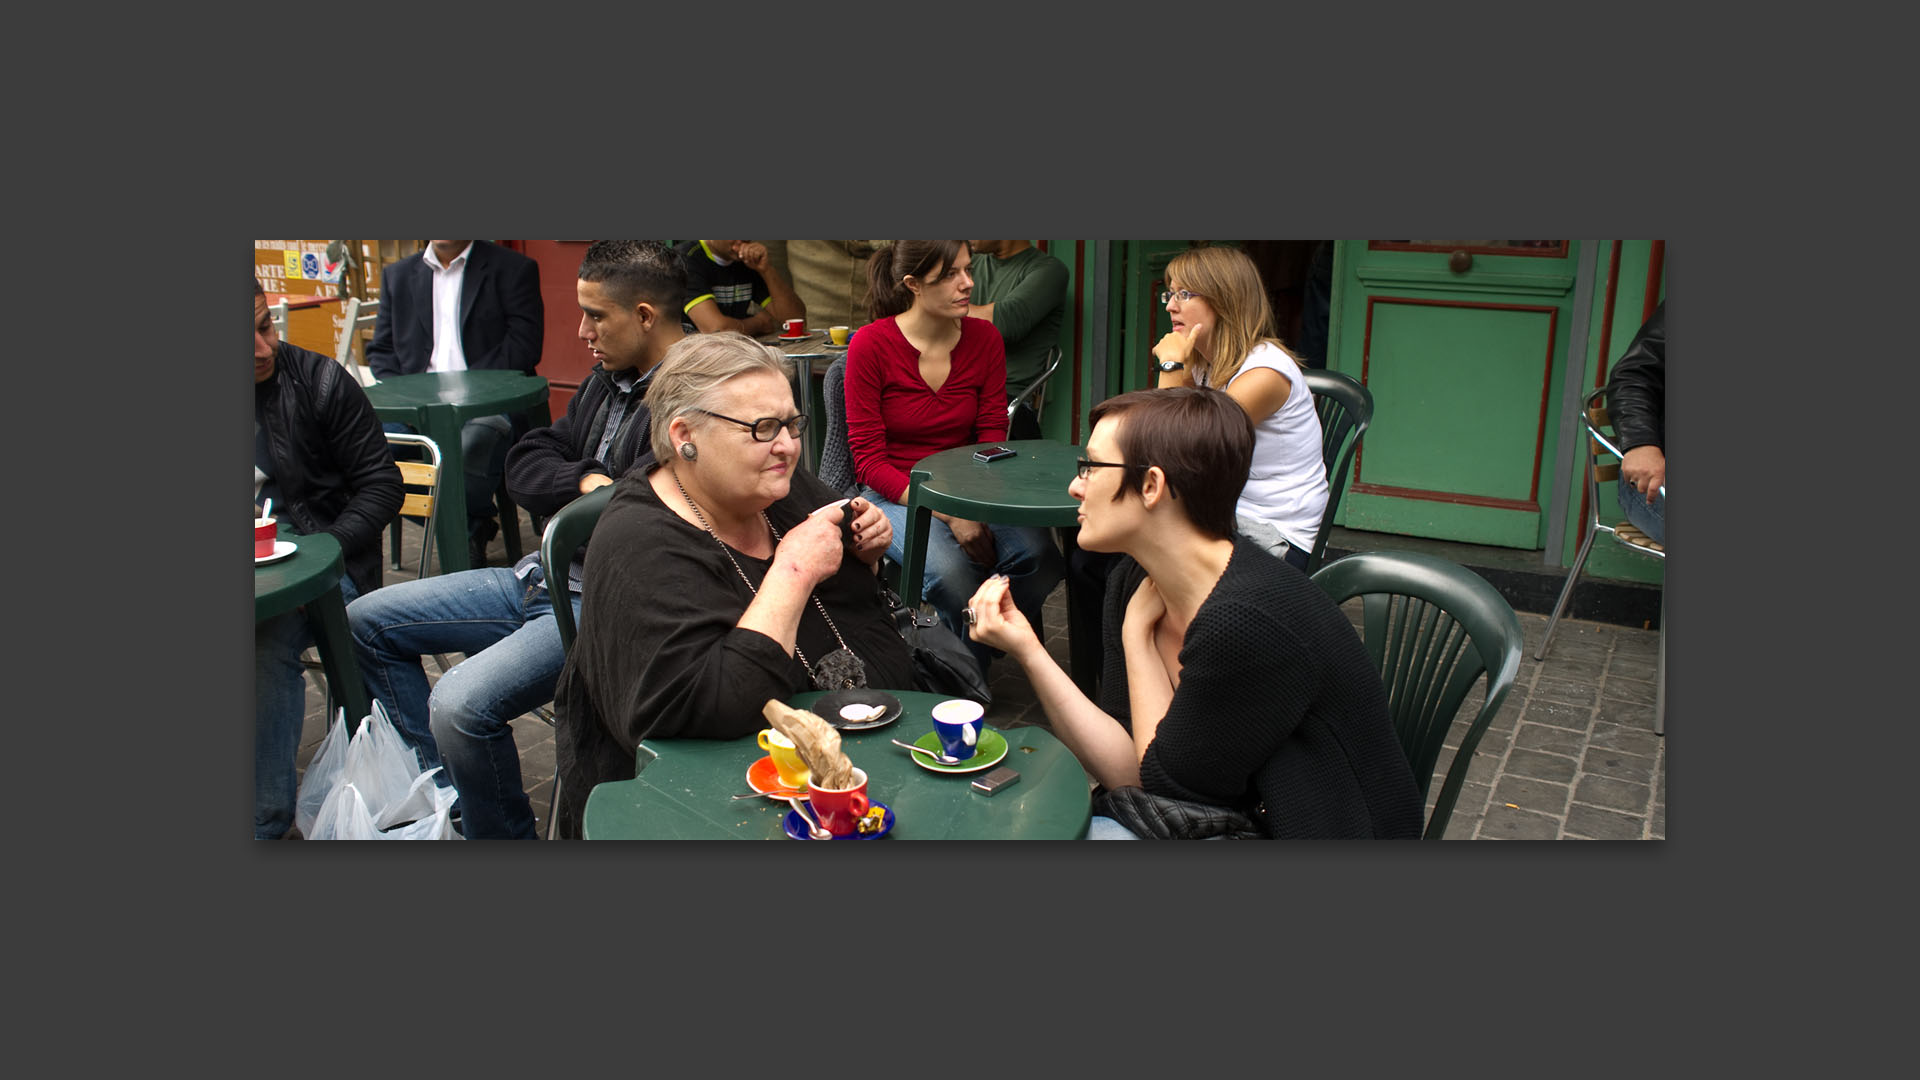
(484, 442)
(1105, 828)
(280, 710)
(1024, 553)
(1651, 520)
(465, 721)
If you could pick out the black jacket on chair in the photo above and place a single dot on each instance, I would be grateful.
(1637, 388)
(502, 319)
(330, 458)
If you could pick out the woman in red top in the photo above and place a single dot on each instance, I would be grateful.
(923, 377)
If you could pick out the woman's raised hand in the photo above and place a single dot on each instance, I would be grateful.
(1145, 609)
(872, 531)
(812, 548)
(997, 621)
(1178, 345)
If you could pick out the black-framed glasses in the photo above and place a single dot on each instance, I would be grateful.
(1083, 466)
(767, 428)
(1183, 295)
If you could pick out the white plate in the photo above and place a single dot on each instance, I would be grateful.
(281, 549)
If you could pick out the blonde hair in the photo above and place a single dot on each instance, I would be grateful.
(693, 370)
(1229, 282)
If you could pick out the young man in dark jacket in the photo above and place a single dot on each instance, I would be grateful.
(630, 292)
(320, 454)
(1637, 402)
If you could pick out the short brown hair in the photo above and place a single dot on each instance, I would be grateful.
(1199, 438)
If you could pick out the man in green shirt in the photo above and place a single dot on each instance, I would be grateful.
(1022, 291)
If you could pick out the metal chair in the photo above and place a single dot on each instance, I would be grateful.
(359, 314)
(1346, 409)
(1432, 627)
(421, 480)
(1603, 465)
(1033, 395)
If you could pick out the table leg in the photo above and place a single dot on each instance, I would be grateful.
(442, 425)
(327, 614)
(913, 566)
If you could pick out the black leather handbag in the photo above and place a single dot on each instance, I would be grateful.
(1157, 817)
(942, 664)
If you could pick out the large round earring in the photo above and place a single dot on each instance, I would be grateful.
(687, 451)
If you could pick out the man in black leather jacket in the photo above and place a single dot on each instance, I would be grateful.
(1637, 401)
(320, 454)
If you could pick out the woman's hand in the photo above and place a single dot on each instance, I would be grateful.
(997, 622)
(1178, 346)
(811, 549)
(872, 530)
(1145, 609)
(974, 538)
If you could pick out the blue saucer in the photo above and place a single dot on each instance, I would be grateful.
(797, 829)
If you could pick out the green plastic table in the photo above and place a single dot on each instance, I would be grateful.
(312, 577)
(684, 785)
(1030, 489)
(437, 404)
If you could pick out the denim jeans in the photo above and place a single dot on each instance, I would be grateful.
(484, 442)
(1026, 554)
(464, 721)
(1105, 828)
(1651, 520)
(280, 711)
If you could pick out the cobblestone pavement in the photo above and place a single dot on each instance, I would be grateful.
(1571, 754)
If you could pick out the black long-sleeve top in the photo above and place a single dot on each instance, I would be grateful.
(1278, 705)
(658, 654)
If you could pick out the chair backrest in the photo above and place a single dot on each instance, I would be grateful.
(1346, 408)
(1432, 627)
(836, 457)
(358, 315)
(421, 482)
(1032, 395)
(566, 531)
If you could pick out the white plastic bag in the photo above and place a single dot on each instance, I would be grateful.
(377, 791)
(319, 780)
(379, 762)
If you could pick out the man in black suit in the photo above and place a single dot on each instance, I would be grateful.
(464, 305)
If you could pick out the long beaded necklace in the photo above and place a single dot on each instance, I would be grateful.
(839, 669)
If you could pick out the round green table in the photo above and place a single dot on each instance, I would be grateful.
(437, 404)
(311, 578)
(684, 787)
(1028, 489)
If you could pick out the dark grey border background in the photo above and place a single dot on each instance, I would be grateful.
(1531, 939)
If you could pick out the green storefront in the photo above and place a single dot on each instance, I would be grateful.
(1477, 354)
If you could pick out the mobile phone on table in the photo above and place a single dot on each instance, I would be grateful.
(995, 780)
(994, 453)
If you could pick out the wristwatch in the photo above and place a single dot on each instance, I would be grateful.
(1172, 365)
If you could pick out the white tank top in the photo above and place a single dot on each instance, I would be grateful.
(1287, 485)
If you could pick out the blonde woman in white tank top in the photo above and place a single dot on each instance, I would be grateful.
(1222, 336)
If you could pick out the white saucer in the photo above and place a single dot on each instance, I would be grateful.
(281, 549)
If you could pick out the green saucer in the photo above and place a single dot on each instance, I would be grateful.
(992, 748)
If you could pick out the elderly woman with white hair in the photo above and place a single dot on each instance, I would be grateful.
(721, 577)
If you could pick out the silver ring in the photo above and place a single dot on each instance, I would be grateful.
(969, 616)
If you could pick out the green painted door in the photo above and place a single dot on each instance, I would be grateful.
(1461, 342)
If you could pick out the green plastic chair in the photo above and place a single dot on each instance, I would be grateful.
(1432, 627)
(566, 531)
(1346, 408)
